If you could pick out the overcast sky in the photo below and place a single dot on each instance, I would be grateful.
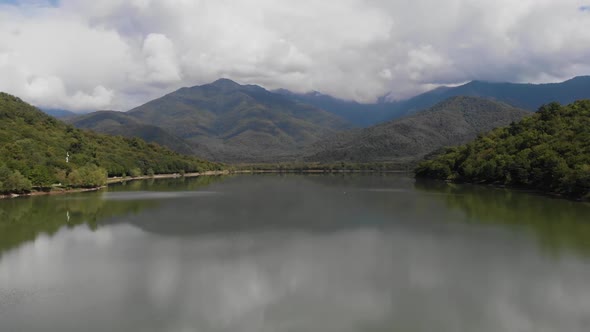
(117, 54)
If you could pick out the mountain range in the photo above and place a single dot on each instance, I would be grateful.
(454, 121)
(232, 122)
(228, 122)
(526, 96)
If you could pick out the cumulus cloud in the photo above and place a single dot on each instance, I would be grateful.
(160, 59)
(82, 54)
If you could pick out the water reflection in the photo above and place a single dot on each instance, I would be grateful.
(22, 220)
(120, 278)
(558, 224)
(300, 253)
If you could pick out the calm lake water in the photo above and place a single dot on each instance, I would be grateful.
(258, 253)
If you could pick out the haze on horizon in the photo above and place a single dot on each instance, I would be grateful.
(117, 54)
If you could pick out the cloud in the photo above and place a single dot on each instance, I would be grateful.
(160, 59)
(118, 54)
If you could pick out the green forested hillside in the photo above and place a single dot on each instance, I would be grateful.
(452, 122)
(33, 148)
(549, 151)
(238, 123)
(120, 123)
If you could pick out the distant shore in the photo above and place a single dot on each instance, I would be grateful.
(118, 179)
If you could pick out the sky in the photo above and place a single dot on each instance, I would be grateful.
(117, 54)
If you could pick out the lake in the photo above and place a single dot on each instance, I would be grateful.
(262, 253)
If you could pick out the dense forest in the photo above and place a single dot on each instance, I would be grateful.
(121, 124)
(549, 151)
(454, 121)
(34, 147)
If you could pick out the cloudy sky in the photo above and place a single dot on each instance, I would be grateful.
(117, 54)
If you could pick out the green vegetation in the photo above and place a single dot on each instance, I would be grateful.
(549, 151)
(230, 122)
(454, 121)
(13, 181)
(323, 167)
(122, 124)
(34, 146)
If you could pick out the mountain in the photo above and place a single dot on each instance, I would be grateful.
(525, 96)
(230, 122)
(121, 124)
(361, 115)
(34, 146)
(451, 122)
(549, 151)
(58, 113)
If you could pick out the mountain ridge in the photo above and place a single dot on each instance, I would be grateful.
(233, 122)
(121, 124)
(450, 122)
(527, 96)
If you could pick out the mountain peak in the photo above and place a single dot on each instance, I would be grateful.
(225, 83)
(583, 78)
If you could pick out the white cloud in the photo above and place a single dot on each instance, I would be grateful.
(160, 59)
(116, 54)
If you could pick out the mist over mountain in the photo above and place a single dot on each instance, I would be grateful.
(526, 96)
(359, 114)
(229, 122)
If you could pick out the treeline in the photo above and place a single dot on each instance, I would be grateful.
(549, 151)
(38, 151)
(325, 167)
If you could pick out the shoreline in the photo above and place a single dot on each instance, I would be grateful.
(166, 176)
(522, 189)
(115, 180)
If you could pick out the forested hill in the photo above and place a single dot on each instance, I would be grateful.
(452, 122)
(549, 151)
(33, 149)
(229, 122)
(120, 123)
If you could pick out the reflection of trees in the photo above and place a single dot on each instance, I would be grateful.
(558, 224)
(172, 184)
(23, 219)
